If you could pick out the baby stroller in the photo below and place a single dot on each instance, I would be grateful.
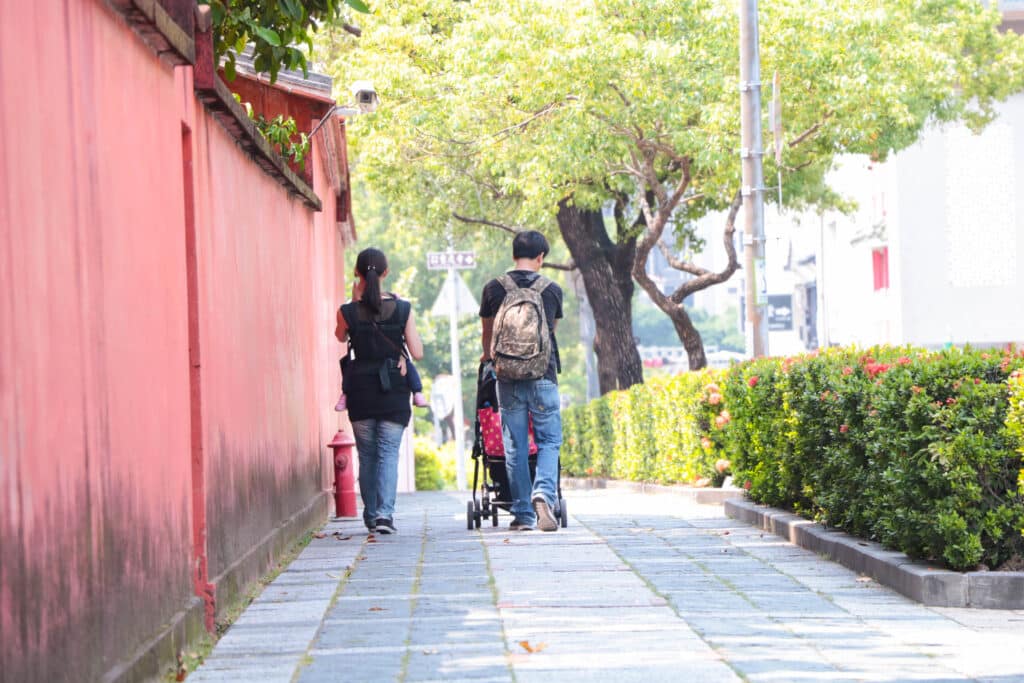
(489, 456)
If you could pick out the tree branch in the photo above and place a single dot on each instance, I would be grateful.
(707, 278)
(622, 95)
(570, 266)
(483, 221)
(354, 30)
(810, 131)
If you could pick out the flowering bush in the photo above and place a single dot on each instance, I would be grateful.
(918, 449)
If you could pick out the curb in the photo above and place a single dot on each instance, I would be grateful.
(702, 496)
(920, 581)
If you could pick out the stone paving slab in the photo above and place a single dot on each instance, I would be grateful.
(643, 588)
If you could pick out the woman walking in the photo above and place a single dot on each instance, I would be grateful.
(382, 336)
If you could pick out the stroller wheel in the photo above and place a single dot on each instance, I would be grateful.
(563, 515)
(476, 519)
(469, 515)
(494, 516)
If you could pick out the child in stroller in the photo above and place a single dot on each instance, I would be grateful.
(489, 456)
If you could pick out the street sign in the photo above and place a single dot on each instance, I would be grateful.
(443, 260)
(780, 312)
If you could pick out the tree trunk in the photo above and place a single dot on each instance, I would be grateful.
(605, 268)
(689, 336)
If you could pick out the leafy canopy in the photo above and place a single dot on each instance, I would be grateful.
(501, 109)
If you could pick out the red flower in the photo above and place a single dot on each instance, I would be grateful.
(844, 428)
(753, 381)
(903, 360)
(746, 485)
(916, 389)
(847, 370)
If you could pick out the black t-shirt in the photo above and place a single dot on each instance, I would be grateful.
(494, 294)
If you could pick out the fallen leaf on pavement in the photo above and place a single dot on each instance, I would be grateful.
(863, 579)
(525, 644)
(377, 609)
(430, 652)
(371, 539)
(506, 540)
(361, 557)
(319, 535)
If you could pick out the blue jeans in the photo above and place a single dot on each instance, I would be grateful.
(519, 400)
(378, 442)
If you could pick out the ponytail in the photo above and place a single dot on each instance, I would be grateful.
(371, 264)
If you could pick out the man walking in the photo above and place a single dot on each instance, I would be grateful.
(518, 312)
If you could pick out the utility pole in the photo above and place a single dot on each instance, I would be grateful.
(753, 181)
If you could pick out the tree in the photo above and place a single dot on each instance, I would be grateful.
(530, 112)
(275, 28)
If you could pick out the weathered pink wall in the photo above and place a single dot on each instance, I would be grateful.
(94, 473)
(260, 334)
(97, 484)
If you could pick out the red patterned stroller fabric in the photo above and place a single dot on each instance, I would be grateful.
(489, 420)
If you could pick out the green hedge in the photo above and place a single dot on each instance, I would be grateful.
(661, 431)
(920, 450)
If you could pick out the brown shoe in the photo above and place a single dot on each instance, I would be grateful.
(545, 520)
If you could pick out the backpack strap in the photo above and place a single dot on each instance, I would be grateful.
(540, 284)
(508, 283)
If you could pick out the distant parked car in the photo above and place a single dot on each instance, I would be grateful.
(723, 359)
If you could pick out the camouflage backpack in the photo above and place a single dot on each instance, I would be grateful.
(521, 341)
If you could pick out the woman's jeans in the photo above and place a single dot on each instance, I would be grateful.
(518, 401)
(378, 442)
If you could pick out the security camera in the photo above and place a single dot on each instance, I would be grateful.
(365, 97)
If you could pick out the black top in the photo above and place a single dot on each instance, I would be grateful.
(494, 294)
(375, 387)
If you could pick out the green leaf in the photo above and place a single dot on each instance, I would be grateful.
(292, 8)
(229, 66)
(358, 5)
(268, 35)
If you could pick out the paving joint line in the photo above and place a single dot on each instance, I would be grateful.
(414, 596)
(492, 583)
(778, 620)
(307, 658)
(668, 602)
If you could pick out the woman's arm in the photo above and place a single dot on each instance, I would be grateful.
(412, 339)
(341, 329)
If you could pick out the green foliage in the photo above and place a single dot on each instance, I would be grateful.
(274, 27)
(280, 132)
(428, 465)
(500, 110)
(920, 450)
(661, 431)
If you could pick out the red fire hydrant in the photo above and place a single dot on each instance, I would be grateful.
(344, 479)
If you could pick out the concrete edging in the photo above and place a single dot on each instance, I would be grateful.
(702, 496)
(920, 581)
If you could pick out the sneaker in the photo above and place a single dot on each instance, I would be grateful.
(518, 525)
(342, 404)
(371, 526)
(419, 400)
(545, 520)
(386, 526)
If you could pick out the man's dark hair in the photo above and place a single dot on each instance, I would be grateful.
(529, 244)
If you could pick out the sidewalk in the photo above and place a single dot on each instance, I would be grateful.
(637, 588)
